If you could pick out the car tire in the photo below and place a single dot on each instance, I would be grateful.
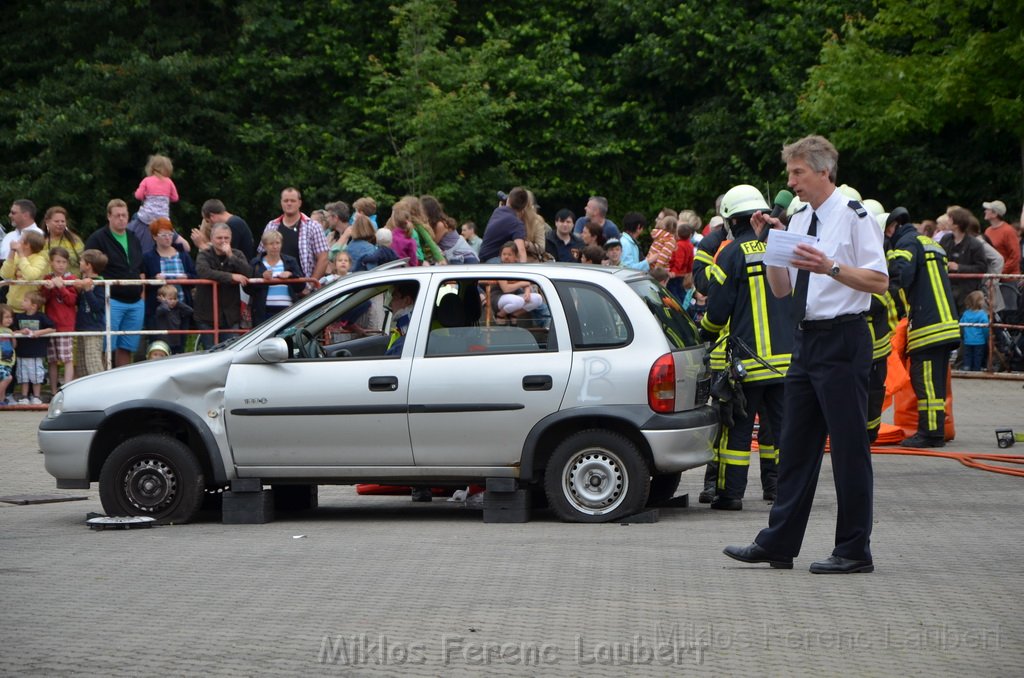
(596, 476)
(152, 475)
(663, 487)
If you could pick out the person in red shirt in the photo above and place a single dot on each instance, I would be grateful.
(61, 307)
(1002, 236)
(682, 260)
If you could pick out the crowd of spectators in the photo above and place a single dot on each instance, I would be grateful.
(296, 252)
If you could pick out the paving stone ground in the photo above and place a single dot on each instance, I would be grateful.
(382, 586)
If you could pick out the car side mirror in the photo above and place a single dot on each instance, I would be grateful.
(273, 350)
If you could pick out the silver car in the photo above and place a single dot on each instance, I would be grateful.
(587, 383)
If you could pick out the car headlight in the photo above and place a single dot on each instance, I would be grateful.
(56, 406)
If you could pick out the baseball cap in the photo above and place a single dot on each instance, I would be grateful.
(612, 242)
(997, 206)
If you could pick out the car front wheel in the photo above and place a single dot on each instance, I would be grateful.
(596, 476)
(152, 475)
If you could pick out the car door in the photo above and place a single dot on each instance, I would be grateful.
(479, 387)
(348, 408)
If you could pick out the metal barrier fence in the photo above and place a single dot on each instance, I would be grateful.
(990, 284)
(108, 333)
(992, 287)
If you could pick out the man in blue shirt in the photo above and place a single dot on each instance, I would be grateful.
(597, 212)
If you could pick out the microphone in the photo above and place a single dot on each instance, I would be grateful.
(782, 200)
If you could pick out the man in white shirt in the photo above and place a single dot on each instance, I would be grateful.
(23, 217)
(826, 386)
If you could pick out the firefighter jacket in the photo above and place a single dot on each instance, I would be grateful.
(917, 269)
(741, 298)
(882, 321)
(883, 316)
(704, 269)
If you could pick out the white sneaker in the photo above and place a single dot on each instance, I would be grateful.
(22, 401)
(34, 401)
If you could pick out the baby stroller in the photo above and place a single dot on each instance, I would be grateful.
(1008, 343)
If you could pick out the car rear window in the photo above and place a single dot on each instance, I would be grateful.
(677, 325)
(595, 318)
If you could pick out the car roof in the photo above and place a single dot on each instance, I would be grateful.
(567, 271)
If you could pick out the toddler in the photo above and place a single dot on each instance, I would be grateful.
(27, 262)
(157, 350)
(593, 254)
(341, 266)
(91, 315)
(7, 352)
(61, 307)
(156, 191)
(32, 324)
(613, 253)
(172, 314)
(975, 338)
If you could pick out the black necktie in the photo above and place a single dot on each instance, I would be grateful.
(803, 279)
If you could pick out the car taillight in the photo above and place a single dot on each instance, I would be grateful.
(661, 385)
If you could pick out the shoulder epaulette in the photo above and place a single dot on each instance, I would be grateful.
(858, 208)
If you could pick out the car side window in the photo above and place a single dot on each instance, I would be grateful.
(595, 318)
(368, 322)
(472, 316)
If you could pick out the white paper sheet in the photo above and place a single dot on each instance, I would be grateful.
(781, 246)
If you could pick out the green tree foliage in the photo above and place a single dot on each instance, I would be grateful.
(933, 90)
(650, 102)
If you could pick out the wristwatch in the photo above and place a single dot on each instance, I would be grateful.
(834, 271)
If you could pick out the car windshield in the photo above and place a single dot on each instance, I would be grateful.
(225, 344)
(676, 324)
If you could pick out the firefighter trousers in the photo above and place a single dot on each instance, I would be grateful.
(928, 368)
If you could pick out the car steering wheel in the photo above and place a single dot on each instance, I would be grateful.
(309, 347)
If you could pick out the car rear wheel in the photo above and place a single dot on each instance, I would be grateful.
(663, 487)
(596, 476)
(152, 475)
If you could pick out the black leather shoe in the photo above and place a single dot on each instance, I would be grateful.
(707, 495)
(918, 440)
(725, 504)
(756, 554)
(840, 565)
(769, 494)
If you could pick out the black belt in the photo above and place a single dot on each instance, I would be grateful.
(829, 323)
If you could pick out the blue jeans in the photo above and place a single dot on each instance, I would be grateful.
(126, 317)
(974, 357)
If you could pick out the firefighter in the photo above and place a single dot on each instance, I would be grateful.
(760, 340)
(918, 273)
(705, 269)
(882, 319)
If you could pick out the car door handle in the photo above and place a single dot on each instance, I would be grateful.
(383, 383)
(537, 382)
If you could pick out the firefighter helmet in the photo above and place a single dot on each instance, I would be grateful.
(742, 200)
(850, 192)
(873, 206)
